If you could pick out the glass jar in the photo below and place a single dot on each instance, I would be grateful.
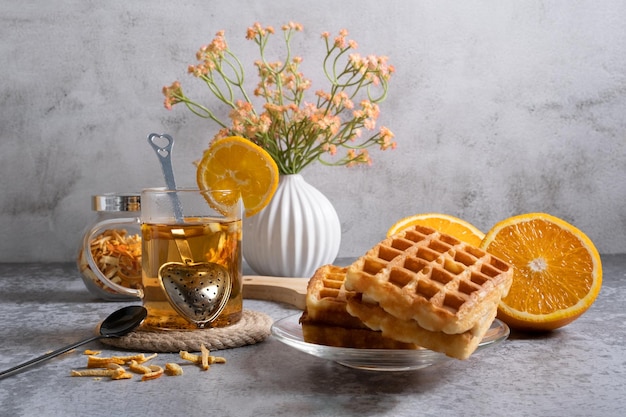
(109, 258)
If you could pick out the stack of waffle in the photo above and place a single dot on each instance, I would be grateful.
(419, 287)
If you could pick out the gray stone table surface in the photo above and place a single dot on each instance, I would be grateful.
(579, 370)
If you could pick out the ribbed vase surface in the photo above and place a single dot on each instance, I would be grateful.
(297, 232)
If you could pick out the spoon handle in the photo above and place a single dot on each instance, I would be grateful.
(164, 153)
(45, 357)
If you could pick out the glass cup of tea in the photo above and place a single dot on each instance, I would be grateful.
(191, 257)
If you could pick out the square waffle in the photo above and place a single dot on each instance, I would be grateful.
(326, 298)
(326, 321)
(441, 283)
(459, 346)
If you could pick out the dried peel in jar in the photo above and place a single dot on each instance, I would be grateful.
(118, 255)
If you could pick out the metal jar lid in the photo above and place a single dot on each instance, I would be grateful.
(117, 202)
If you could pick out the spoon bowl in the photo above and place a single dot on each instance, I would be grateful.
(122, 321)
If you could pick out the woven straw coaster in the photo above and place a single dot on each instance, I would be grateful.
(254, 327)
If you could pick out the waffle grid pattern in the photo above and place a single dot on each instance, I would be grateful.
(433, 278)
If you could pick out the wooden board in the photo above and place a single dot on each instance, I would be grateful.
(291, 291)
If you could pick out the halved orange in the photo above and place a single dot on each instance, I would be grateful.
(444, 223)
(235, 163)
(557, 271)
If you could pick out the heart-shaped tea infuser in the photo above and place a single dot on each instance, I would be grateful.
(198, 291)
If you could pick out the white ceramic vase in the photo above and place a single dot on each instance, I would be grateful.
(297, 232)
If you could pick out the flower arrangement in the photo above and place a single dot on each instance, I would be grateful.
(336, 128)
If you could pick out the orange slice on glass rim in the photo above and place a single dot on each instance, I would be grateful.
(444, 223)
(557, 272)
(235, 163)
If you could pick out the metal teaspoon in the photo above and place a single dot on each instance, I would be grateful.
(117, 324)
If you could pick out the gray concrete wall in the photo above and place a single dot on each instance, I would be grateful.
(499, 108)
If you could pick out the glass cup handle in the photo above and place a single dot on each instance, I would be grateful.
(92, 262)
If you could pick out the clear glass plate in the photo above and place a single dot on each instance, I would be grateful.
(289, 332)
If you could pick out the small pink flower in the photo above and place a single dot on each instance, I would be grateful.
(323, 95)
(369, 124)
(292, 26)
(386, 137)
(173, 95)
(340, 41)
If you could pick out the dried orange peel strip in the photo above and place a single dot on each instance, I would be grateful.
(205, 359)
(155, 372)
